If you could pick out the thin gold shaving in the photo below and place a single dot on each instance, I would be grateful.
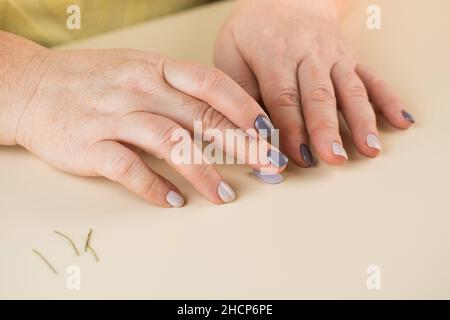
(88, 246)
(70, 240)
(46, 261)
(88, 240)
(94, 253)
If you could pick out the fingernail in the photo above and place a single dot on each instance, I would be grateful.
(373, 141)
(276, 158)
(339, 150)
(307, 155)
(409, 117)
(268, 178)
(225, 192)
(264, 126)
(174, 199)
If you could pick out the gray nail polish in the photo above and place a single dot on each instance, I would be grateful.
(264, 126)
(276, 158)
(373, 141)
(268, 178)
(339, 150)
(174, 199)
(306, 155)
(409, 117)
(225, 192)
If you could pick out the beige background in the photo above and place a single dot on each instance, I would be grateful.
(311, 237)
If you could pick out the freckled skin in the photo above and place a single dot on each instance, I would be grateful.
(88, 112)
(291, 56)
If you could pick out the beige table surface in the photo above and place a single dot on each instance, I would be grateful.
(311, 237)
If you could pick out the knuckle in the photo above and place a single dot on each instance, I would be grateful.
(149, 188)
(323, 125)
(288, 97)
(323, 95)
(166, 134)
(316, 71)
(211, 118)
(204, 173)
(121, 167)
(245, 81)
(206, 80)
(133, 74)
(167, 139)
(201, 112)
(355, 90)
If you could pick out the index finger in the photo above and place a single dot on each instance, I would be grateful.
(219, 91)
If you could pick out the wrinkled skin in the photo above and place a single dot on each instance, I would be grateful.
(291, 56)
(86, 112)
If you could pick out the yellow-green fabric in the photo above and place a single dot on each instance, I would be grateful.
(44, 21)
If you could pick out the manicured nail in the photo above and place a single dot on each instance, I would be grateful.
(306, 155)
(174, 199)
(268, 178)
(264, 126)
(225, 192)
(339, 150)
(409, 117)
(276, 158)
(373, 141)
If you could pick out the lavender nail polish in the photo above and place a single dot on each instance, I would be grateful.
(276, 158)
(373, 141)
(339, 150)
(268, 178)
(307, 155)
(264, 126)
(174, 199)
(225, 192)
(409, 117)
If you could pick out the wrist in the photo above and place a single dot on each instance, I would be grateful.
(20, 73)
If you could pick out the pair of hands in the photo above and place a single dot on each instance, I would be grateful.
(85, 112)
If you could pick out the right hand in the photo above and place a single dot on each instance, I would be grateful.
(89, 106)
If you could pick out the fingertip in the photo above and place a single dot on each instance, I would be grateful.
(408, 117)
(331, 150)
(368, 144)
(264, 126)
(175, 199)
(306, 156)
(225, 192)
(373, 144)
(277, 158)
(369, 152)
(399, 118)
(301, 156)
(339, 154)
(331, 158)
(336, 160)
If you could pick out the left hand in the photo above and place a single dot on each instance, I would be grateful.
(290, 55)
